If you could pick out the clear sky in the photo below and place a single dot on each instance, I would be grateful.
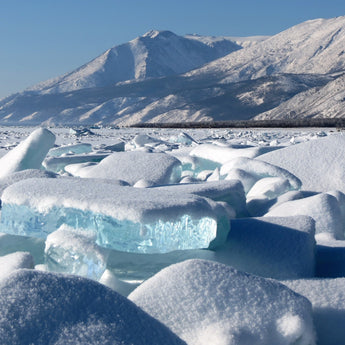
(41, 39)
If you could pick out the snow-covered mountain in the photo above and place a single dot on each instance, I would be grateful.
(155, 54)
(158, 78)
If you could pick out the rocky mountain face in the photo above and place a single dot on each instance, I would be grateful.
(162, 77)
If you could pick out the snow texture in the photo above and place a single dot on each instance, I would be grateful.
(14, 261)
(40, 308)
(209, 303)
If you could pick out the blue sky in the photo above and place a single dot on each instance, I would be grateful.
(40, 39)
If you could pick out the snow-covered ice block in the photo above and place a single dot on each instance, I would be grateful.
(116, 146)
(70, 149)
(222, 154)
(46, 308)
(280, 248)
(260, 169)
(319, 163)
(330, 257)
(324, 208)
(328, 300)
(58, 164)
(124, 218)
(133, 166)
(14, 261)
(23, 175)
(205, 303)
(182, 138)
(68, 250)
(229, 191)
(111, 281)
(29, 154)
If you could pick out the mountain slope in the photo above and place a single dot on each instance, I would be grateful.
(325, 102)
(316, 46)
(155, 54)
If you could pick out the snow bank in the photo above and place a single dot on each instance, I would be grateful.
(209, 303)
(328, 300)
(281, 248)
(313, 161)
(133, 166)
(123, 218)
(324, 208)
(41, 308)
(29, 154)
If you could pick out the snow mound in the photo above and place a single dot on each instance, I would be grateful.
(29, 154)
(324, 208)
(133, 166)
(209, 303)
(41, 308)
(312, 161)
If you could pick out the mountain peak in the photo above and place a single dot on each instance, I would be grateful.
(159, 34)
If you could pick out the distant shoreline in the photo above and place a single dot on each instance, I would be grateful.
(336, 123)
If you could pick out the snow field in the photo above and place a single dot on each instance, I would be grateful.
(203, 258)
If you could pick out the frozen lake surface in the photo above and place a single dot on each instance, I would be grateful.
(198, 236)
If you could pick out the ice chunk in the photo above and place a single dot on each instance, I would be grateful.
(40, 308)
(328, 301)
(260, 169)
(159, 168)
(182, 138)
(29, 154)
(58, 164)
(109, 279)
(14, 261)
(229, 191)
(73, 148)
(323, 208)
(124, 218)
(73, 251)
(324, 169)
(280, 248)
(222, 154)
(209, 303)
(247, 179)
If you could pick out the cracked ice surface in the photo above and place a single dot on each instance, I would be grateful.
(123, 218)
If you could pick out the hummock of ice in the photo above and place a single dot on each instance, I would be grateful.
(124, 218)
(14, 261)
(209, 303)
(29, 154)
(133, 166)
(313, 161)
(328, 300)
(68, 250)
(280, 248)
(324, 208)
(46, 308)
